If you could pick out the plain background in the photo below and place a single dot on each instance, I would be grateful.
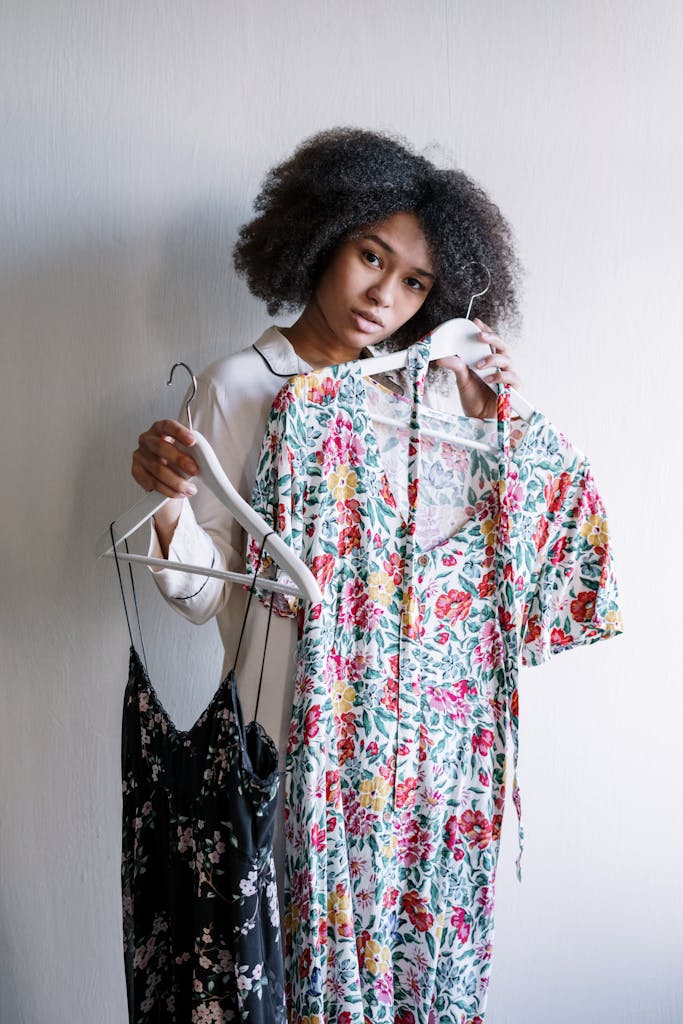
(134, 136)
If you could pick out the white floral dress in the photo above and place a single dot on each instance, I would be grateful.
(440, 568)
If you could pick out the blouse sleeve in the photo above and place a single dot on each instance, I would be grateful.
(206, 534)
(573, 599)
(279, 491)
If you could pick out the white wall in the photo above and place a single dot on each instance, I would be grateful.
(134, 138)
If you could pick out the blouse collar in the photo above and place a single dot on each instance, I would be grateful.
(279, 355)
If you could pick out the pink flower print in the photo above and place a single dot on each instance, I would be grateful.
(477, 829)
(482, 741)
(414, 843)
(460, 923)
(311, 723)
(348, 512)
(516, 494)
(582, 609)
(342, 446)
(454, 606)
(394, 566)
(318, 837)
(389, 696)
(415, 907)
(556, 553)
(487, 584)
(541, 533)
(453, 840)
(486, 899)
(356, 609)
(558, 637)
(323, 390)
(385, 493)
(555, 491)
(451, 701)
(348, 539)
(185, 840)
(384, 988)
(322, 568)
(405, 793)
(332, 791)
(489, 651)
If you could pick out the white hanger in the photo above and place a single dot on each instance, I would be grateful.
(214, 477)
(456, 337)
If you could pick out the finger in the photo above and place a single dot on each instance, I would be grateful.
(154, 447)
(174, 430)
(503, 377)
(457, 365)
(489, 336)
(161, 478)
(498, 361)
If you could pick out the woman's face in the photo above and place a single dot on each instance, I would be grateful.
(374, 283)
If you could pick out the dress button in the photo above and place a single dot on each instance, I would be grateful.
(423, 560)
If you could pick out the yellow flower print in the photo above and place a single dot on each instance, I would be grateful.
(342, 482)
(343, 697)
(488, 528)
(595, 530)
(374, 792)
(381, 587)
(614, 622)
(339, 908)
(389, 849)
(376, 957)
(292, 918)
(301, 384)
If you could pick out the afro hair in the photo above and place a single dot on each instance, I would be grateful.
(346, 179)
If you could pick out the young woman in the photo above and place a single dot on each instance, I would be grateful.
(372, 243)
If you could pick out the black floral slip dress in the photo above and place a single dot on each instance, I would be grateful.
(201, 923)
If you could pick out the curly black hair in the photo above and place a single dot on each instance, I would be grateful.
(345, 179)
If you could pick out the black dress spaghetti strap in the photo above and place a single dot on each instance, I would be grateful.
(201, 921)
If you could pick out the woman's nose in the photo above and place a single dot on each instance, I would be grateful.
(381, 292)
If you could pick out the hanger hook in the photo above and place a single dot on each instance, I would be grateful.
(478, 295)
(194, 389)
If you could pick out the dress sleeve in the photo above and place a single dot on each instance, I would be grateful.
(279, 490)
(573, 599)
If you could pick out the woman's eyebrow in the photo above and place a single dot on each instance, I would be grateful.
(387, 248)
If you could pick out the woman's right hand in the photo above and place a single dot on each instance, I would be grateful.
(158, 463)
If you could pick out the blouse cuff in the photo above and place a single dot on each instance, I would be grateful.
(190, 544)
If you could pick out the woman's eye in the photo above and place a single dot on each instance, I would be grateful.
(413, 283)
(372, 258)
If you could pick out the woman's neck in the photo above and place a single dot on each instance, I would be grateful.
(315, 343)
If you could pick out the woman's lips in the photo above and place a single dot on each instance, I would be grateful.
(364, 324)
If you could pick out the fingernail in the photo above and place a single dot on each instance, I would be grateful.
(191, 489)
(481, 363)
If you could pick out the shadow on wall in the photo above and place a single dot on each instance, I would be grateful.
(92, 333)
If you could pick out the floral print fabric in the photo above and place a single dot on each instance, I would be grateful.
(200, 909)
(440, 568)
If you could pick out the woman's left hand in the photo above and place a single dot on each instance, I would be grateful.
(475, 395)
